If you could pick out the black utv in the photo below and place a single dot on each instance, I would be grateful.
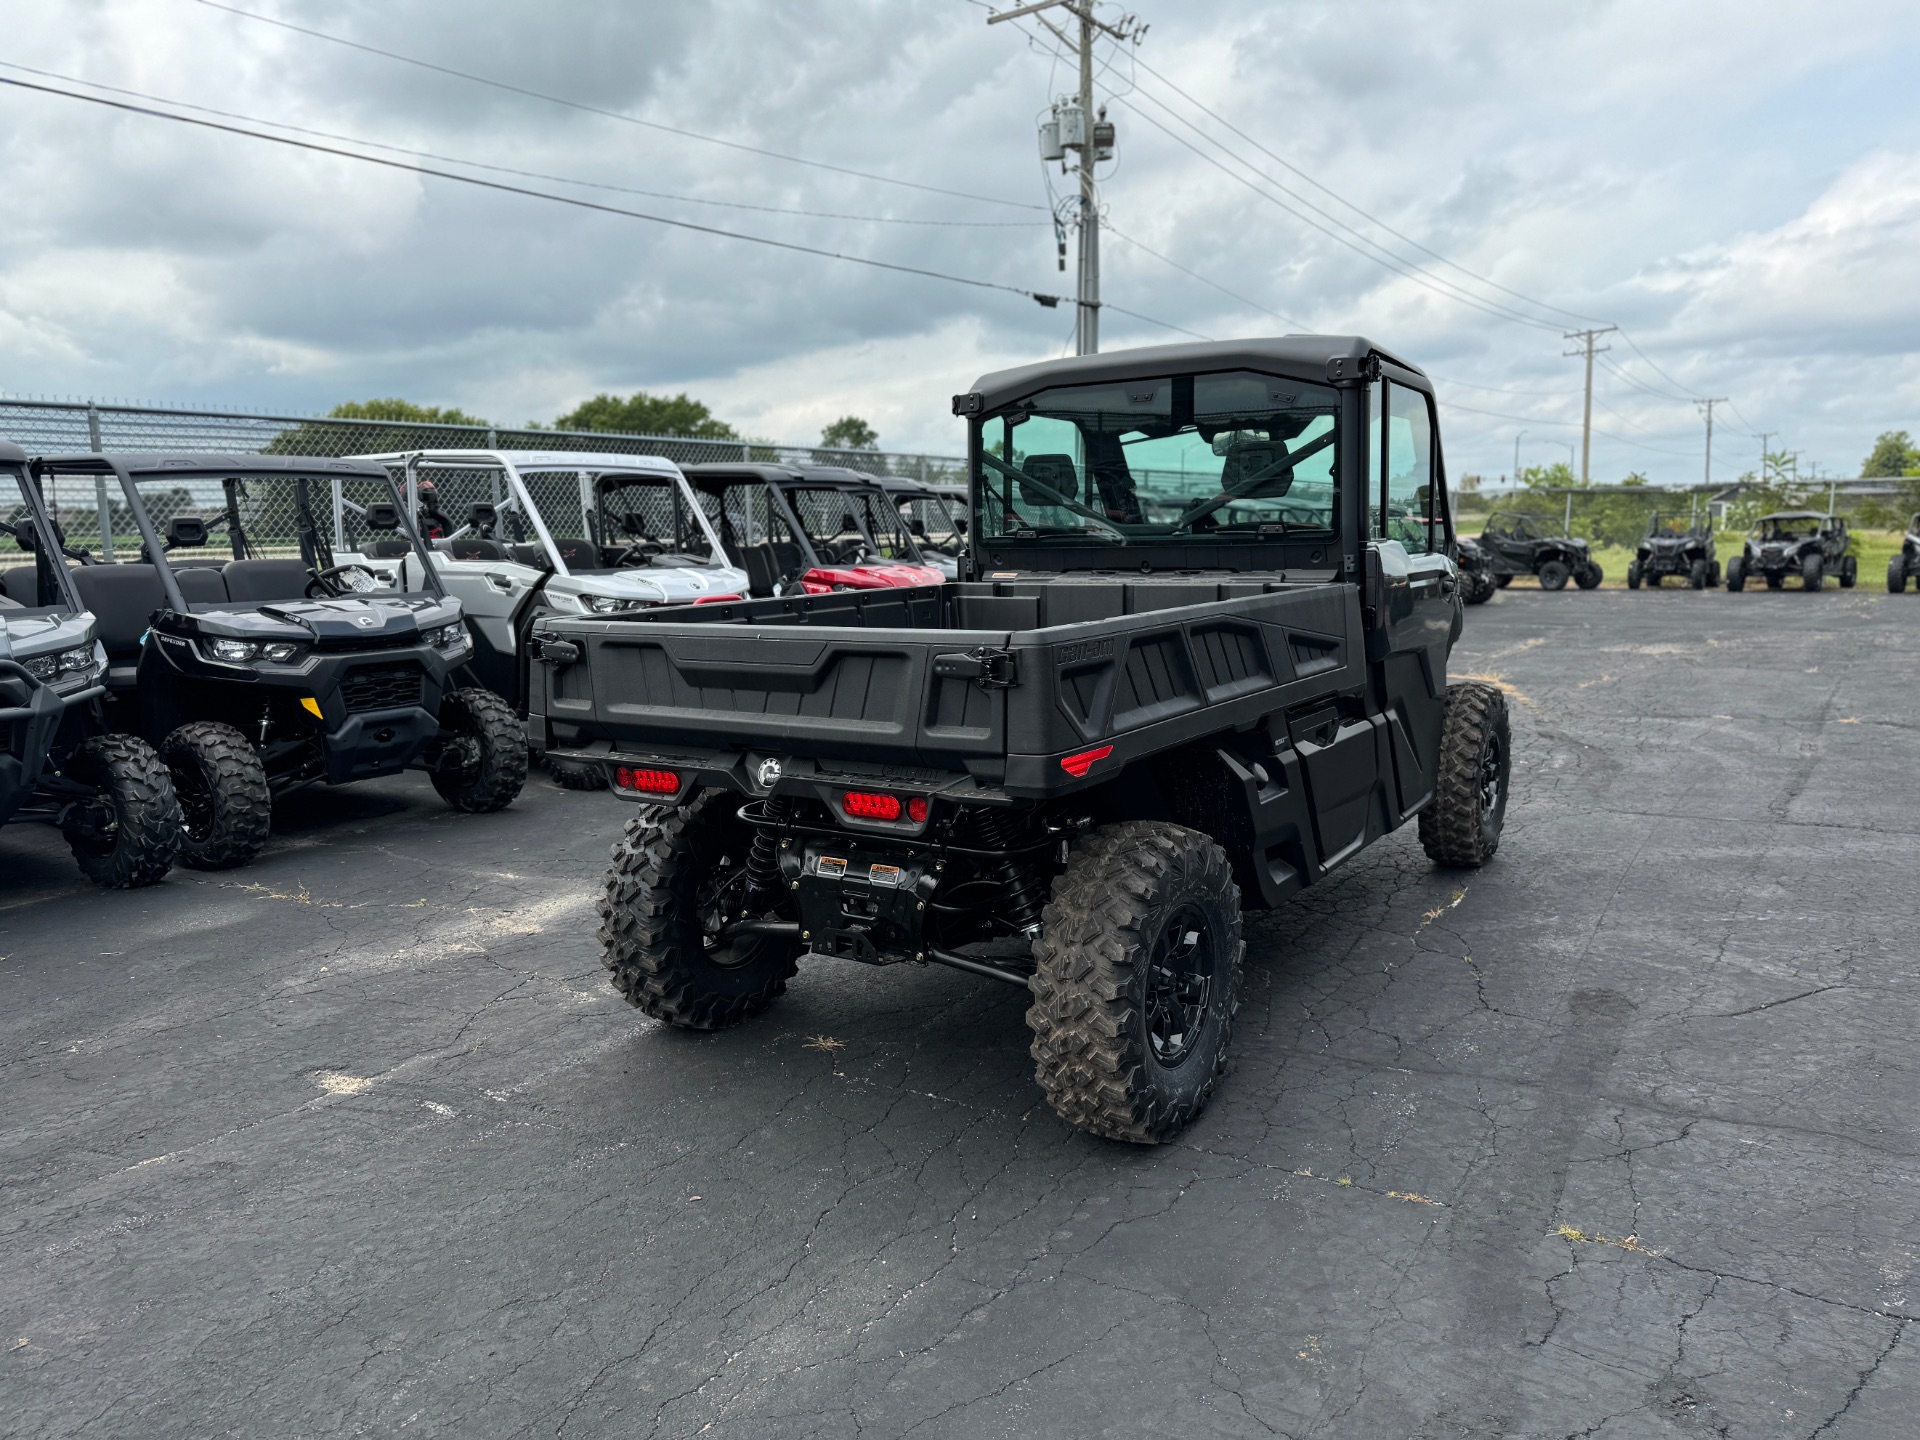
(108, 795)
(1196, 661)
(1798, 544)
(1905, 565)
(274, 668)
(1516, 545)
(1679, 545)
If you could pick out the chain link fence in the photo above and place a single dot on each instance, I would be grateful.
(94, 515)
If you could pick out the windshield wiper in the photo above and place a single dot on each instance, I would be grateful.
(1064, 501)
(1252, 482)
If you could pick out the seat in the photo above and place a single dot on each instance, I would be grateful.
(788, 557)
(531, 554)
(253, 582)
(202, 585)
(122, 599)
(22, 585)
(475, 547)
(578, 553)
(761, 567)
(389, 549)
(7, 602)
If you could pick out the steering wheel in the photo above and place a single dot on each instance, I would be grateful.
(640, 551)
(336, 580)
(846, 552)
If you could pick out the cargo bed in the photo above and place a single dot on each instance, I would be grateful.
(936, 679)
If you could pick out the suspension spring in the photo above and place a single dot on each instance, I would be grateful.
(763, 859)
(1020, 887)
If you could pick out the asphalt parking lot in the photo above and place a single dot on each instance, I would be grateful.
(1614, 1138)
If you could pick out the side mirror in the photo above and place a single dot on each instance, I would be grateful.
(384, 516)
(186, 532)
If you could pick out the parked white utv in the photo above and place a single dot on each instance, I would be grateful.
(544, 532)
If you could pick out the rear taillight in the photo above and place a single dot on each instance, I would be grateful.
(864, 805)
(714, 599)
(1078, 765)
(647, 782)
(917, 810)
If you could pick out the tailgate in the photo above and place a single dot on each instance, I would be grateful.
(805, 690)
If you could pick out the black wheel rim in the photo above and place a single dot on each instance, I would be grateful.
(1492, 776)
(196, 802)
(1179, 985)
(719, 902)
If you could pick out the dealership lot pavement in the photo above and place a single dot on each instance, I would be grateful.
(1615, 1138)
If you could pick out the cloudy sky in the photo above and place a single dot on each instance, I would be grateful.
(1736, 186)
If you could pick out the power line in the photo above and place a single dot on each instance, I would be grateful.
(606, 114)
(511, 170)
(1641, 385)
(1373, 219)
(1385, 259)
(1049, 301)
(1211, 284)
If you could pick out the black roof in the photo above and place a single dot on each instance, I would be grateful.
(833, 475)
(1794, 515)
(1307, 356)
(11, 453)
(210, 462)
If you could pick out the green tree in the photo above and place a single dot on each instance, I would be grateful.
(849, 432)
(644, 414)
(1894, 454)
(1557, 476)
(397, 409)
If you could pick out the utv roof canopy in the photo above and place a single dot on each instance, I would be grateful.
(11, 454)
(1322, 358)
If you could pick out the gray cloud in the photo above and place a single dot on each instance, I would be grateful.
(1717, 179)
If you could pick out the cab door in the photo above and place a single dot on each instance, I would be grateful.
(1414, 587)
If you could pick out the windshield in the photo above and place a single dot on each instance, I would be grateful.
(1516, 527)
(934, 524)
(1793, 527)
(1670, 525)
(847, 525)
(1233, 456)
(31, 566)
(647, 518)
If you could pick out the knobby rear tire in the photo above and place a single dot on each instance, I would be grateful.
(226, 808)
(1462, 824)
(1132, 893)
(653, 932)
(133, 780)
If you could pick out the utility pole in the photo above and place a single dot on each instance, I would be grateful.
(1587, 337)
(1516, 456)
(1075, 127)
(1765, 435)
(1706, 406)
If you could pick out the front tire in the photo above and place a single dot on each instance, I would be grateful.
(131, 834)
(225, 806)
(1633, 576)
(1501, 582)
(1554, 575)
(1737, 574)
(1813, 573)
(1462, 824)
(1849, 572)
(1589, 576)
(1137, 980)
(1897, 576)
(493, 752)
(677, 876)
(1697, 575)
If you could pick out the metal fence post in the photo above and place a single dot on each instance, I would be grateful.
(100, 487)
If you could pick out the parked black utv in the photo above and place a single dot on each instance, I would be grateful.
(1196, 661)
(276, 668)
(1679, 545)
(1905, 566)
(109, 795)
(1516, 545)
(1802, 544)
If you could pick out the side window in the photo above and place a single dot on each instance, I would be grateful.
(1412, 510)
